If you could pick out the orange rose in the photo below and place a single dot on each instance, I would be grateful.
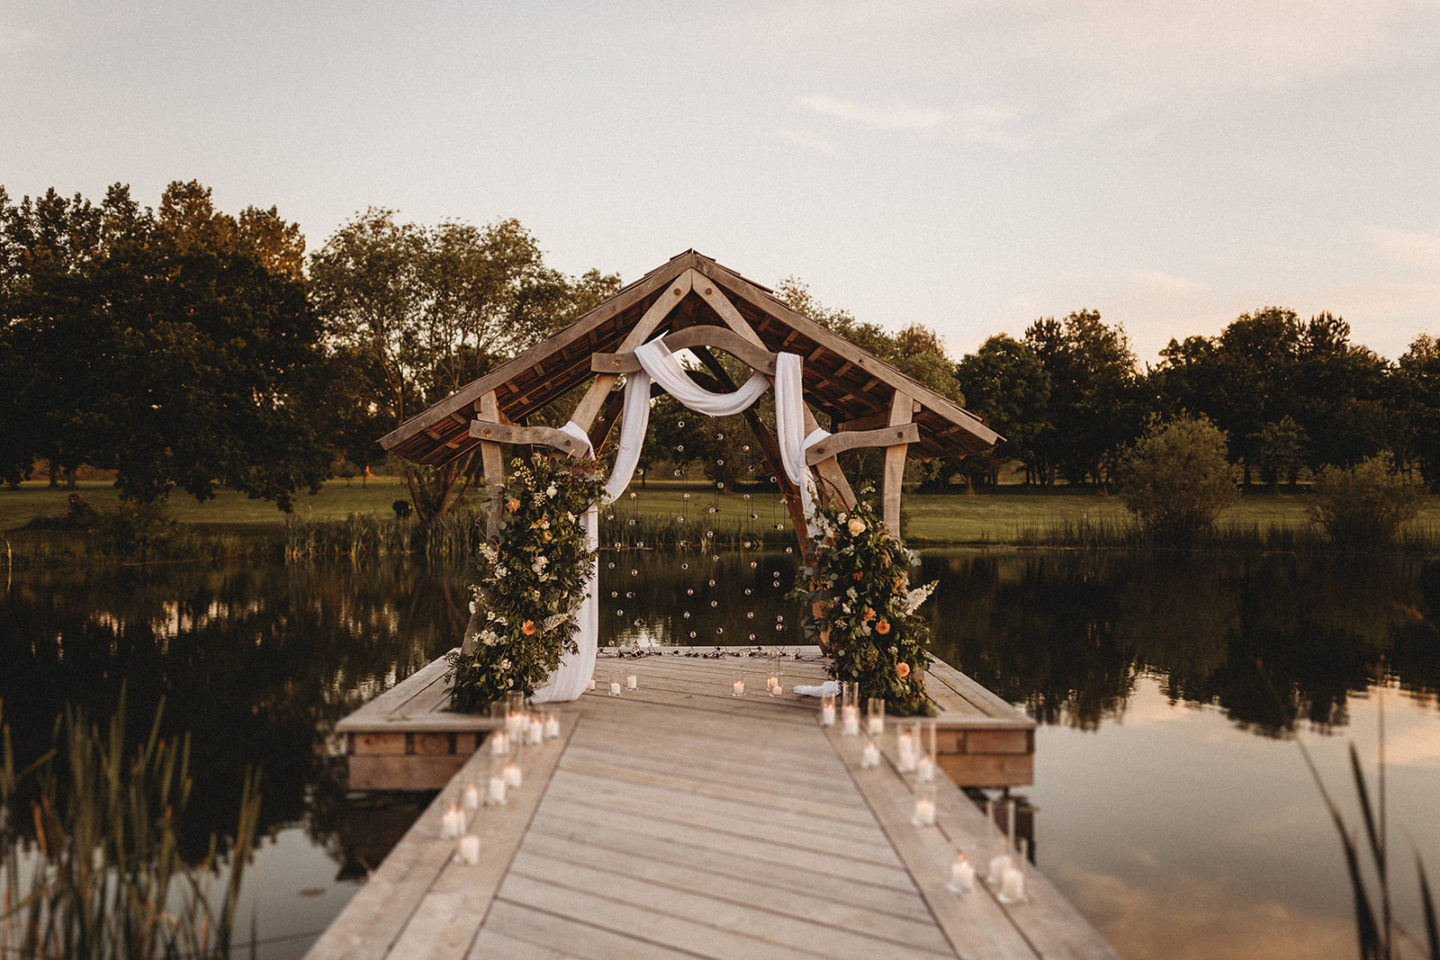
(512, 505)
(528, 628)
(858, 575)
(902, 669)
(869, 614)
(883, 627)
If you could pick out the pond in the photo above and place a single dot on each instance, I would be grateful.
(1174, 806)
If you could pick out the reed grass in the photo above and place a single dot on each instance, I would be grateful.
(102, 876)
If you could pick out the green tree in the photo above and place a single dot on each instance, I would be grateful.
(1280, 450)
(1007, 385)
(1364, 506)
(1176, 478)
(1417, 390)
(414, 313)
(165, 345)
(1095, 402)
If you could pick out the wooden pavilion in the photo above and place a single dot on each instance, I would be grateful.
(699, 305)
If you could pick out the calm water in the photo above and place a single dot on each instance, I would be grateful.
(1174, 806)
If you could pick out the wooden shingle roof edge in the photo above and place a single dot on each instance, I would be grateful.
(637, 296)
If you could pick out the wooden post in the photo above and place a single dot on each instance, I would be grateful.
(492, 461)
(900, 413)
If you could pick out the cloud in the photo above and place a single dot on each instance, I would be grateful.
(982, 123)
(1408, 246)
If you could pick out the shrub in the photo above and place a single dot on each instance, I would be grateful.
(1363, 507)
(1176, 478)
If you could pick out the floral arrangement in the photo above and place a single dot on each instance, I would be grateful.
(531, 582)
(862, 609)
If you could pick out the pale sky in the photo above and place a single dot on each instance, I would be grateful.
(968, 165)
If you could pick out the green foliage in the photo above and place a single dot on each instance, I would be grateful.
(1280, 450)
(1364, 506)
(110, 882)
(1176, 479)
(862, 610)
(1005, 383)
(531, 582)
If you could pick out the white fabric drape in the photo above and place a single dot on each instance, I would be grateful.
(572, 677)
(659, 364)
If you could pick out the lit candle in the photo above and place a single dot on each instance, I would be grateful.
(450, 823)
(472, 797)
(536, 732)
(499, 743)
(924, 769)
(827, 715)
(776, 689)
(552, 727)
(1012, 886)
(513, 776)
(614, 688)
(737, 689)
(871, 755)
(962, 875)
(875, 725)
(495, 796)
(852, 720)
(998, 865)
(592, 683)
(468, 850)
(906, 752)
(924, 812)
(632, 682)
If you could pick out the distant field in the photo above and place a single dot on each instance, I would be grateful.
(929, 518)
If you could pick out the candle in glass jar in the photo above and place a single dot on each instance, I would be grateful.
(513, 776)
(472, 797)
(632, 682)
(924, 812)
(998, 865)
(451, 822)
(924, 769)
(905, 752)
(1012, 886)
(614, 688)
(468, 850)
(962, 875)
(536, 732)
(737, 689)
(870, 757)
(552, 727)
(495, 795)
(499, 743)
(852, 720)
(827, 715)
(515, 725)
(592, 684)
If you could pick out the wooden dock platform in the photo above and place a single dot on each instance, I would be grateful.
(407, 739)
(678, 821)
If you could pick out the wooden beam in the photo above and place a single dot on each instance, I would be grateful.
(900, 407)
(700, 335)
(492, 462)
(832, 479)
(876, 420)
(854, 439)
(594, 398)
(495, 432)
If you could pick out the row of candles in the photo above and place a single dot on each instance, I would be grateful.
(632, 682)
(522, 726)
(915, 754)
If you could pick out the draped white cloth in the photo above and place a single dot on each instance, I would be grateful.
(659, 365)
(572, 677)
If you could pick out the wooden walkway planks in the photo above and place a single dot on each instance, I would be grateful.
(679, 821)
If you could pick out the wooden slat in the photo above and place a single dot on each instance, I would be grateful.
(542, 436)
(701, 335)
(895, 463)
(838, 443)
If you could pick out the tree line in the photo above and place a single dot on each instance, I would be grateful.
(184, 347)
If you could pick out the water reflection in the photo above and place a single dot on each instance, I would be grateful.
(260, 662)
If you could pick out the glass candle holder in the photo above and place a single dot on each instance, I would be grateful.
(774, 684)
(962, 875)
(870, 756)
(827, 709)
(737, 686)
(926, 764)
(850, 694)
(924, 805)
(875, 716)
(615, 684)
(907, 747)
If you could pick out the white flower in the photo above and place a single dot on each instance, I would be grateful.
(914, 598)
(852, 594)
(472, 608)
(505, 665)
(539, 565)
(550, 491)
(501, 571)
(489, 637)
(856, 526)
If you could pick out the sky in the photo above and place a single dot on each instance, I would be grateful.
(968, 165)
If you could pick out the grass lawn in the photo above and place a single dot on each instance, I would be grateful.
(929, 518)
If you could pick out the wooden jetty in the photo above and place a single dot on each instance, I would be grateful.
(677, 820)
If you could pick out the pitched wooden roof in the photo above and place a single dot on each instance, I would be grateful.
(840, 378)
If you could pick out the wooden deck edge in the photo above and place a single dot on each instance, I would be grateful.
(421, 898)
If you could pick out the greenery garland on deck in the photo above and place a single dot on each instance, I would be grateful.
(531, 583)
(862, 610)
